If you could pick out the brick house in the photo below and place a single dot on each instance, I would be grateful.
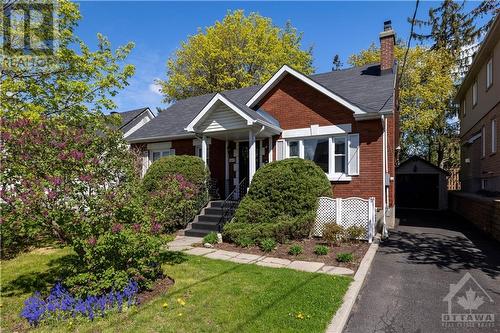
(346, 121)
(479, 98)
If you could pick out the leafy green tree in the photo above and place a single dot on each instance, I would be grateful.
(237, 52)
(452, 28)
(428, 123)
(74, 81)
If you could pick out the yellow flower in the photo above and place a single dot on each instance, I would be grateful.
(300, 315)
(181, 301)
(179, 315)
(165, 305)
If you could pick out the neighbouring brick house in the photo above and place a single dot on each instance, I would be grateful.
(346, 121)
(479, 98)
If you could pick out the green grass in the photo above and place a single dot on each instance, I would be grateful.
(218, 295)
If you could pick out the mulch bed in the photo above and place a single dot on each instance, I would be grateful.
(160, 287)
(358, 249)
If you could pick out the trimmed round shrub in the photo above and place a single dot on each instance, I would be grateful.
(289, 187)
(191, 168)
(281, 202)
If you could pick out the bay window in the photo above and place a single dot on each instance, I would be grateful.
(337, 156)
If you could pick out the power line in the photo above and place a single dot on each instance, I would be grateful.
(409, 40)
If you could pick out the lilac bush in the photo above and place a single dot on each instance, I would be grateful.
(175, 202)
(76, 183)
(61, 305)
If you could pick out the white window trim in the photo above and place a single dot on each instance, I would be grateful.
(474, 93)
(483, 142)
(332, 176)
(493, 136)
(489, 73)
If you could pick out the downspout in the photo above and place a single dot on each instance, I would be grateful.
(385, 234)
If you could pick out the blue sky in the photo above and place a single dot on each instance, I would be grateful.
(158, 28)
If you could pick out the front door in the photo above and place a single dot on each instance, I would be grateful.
(243, 161)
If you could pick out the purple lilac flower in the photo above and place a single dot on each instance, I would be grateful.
(85, 178)
(92, 241)
(77, 155)
(117, 227)
(136, 227)
(155, 228)
(51, 195)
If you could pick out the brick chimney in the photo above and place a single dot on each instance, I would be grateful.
(387, 41)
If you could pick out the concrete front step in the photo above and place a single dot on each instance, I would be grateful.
(197, 232)
(213, 211)
(210, 226)
(208, 218)
(216, 203)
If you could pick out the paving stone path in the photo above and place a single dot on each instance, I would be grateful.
(185, 243)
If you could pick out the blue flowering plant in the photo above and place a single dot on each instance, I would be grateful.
(61, 305)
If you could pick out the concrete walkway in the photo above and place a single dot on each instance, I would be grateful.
(185, 243)
(412, 272)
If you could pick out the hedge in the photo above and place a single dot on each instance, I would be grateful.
(191, 168)
(281, 202)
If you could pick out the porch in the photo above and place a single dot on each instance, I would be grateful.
(233, 140)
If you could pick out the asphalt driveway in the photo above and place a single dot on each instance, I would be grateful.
(412, 272)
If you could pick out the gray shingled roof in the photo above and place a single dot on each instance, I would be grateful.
(128, 116)
(362, 86)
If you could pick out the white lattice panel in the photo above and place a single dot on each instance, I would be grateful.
(355, 213)
(346, 212)
(326, 214)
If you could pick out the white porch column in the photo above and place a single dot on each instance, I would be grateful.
(251, 155)
(226, 170)
(270, 158)
(204, 149)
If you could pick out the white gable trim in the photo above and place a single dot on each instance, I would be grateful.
(316, 130)
(206, 110)
(287, 70)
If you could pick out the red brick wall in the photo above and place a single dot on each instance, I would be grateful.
(386, 52)
(296, 105)
(481, 211)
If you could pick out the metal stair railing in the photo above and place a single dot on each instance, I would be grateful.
(231, 203)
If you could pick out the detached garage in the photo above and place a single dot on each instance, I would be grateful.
(421, 185)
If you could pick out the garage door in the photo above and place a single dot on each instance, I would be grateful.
(417, 191)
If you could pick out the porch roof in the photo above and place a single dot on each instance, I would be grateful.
(224, 114)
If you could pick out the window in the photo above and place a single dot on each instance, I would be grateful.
(493, 135)
(483, 142)
(337, 156)
(157, 154)
(340, 153)
(462, 107)
(474, 93)
(293, 147)
(317, 150)
(489, 73)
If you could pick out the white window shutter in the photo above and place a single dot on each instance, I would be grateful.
(353, 156)
(280, 150)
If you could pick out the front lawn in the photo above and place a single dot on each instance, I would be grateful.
(208, 296)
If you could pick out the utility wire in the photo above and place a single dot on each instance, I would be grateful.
(409, 40)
